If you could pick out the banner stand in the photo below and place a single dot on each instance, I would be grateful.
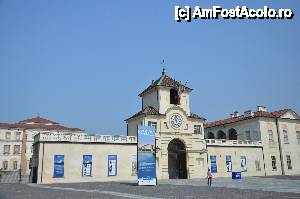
(146, 156)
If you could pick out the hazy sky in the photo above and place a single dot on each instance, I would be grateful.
(83, 63)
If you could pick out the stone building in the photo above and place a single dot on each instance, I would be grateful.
(276, 133)
(181, 148)
(16, 141)
(248, 143)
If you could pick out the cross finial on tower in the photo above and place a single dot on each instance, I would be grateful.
(164, 69)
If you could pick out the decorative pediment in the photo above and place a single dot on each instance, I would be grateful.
(290, 115)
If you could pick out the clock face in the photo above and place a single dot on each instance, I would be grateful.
(176, 120)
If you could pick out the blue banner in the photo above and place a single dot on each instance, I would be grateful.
(87, 165)
(146, 156)
(112, 165)
(59, 163)
(243, 164)
(228, 163)
(213, 164)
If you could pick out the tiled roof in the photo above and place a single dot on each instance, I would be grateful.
(40, 124)
(280, 112)
(193, 115)
(166, 81)
(146, 111)
(37, 120)
(275, 114)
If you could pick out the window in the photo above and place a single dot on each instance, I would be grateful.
(197, 129)
(6, 149)
(7, 135)
(257, 163)
(248, 137)
(289, 161)
(298, 136)
(15, 165)
(210, 135)
(154, 124)
(174, 96)
(18, 135)
(274, 167)
(232, 134)
(221, 135)
(256, 136)
(5, 165)
(16, 149)
(271, 138)
(285, 137)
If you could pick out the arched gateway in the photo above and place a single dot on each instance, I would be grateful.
(177, 160)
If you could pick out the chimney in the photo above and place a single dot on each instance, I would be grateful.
(248, 113)
(235, 114)
(262, 108)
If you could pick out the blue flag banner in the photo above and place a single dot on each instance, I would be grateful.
(228, 163)
(146, 156)
(59, 163)
(87, 165)
(112, 165)
(213, 164)
(243, 164)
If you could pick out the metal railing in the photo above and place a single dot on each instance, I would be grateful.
(73, 137)
(223, 142)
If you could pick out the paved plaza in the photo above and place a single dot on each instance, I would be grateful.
(250, 187)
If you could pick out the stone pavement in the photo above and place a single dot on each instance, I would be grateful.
(277, 184)
(250, 187)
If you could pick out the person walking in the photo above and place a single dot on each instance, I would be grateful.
(209, 178)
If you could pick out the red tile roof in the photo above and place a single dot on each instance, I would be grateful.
(146, 111)
(280, 112)
(166, 81)
(152, 111)
(275, 114)
(39, 124)
(37, 120)
(193, 115)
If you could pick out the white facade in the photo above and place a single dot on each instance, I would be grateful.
(277, 131)
(16, 149)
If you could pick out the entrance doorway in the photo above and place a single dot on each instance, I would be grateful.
(177, 160)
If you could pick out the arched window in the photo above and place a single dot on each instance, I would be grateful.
(232, 134)
(210, 135)
(174, 97)
(221, 135)
(5, 165)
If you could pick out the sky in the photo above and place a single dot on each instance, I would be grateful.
(83, 63)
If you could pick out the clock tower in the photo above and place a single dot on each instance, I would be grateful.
(180, 144)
